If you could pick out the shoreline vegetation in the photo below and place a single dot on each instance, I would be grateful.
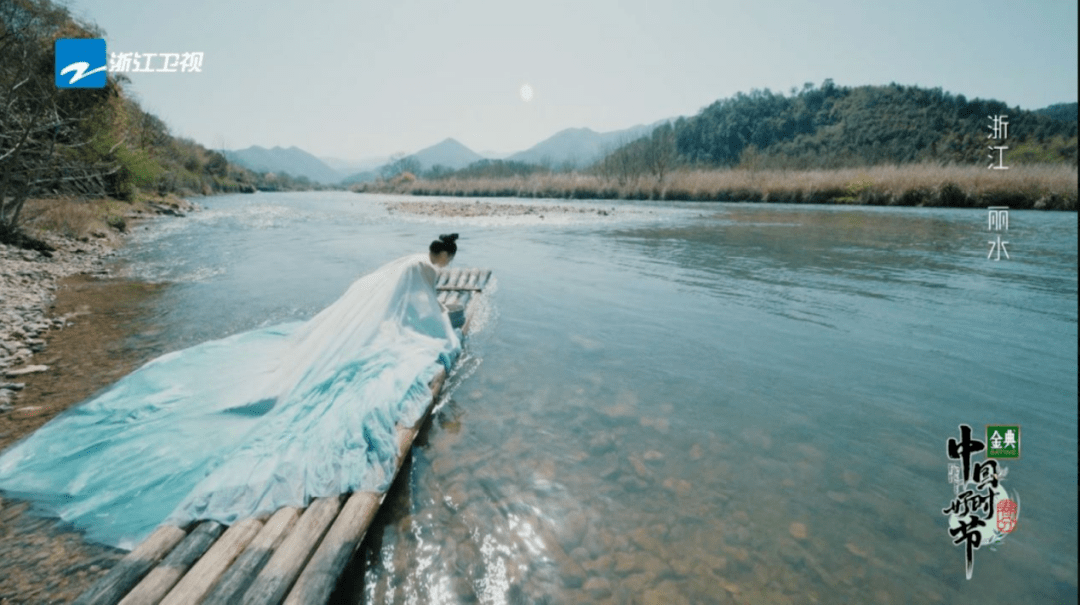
(1025, 186)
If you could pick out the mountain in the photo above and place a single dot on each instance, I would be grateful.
(449, 153)
(580, 146)
(364, 176)
(494, 155)
(1065, 112)
(344, 166)
(293, 161)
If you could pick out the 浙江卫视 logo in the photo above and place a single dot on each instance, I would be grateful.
(80, 63)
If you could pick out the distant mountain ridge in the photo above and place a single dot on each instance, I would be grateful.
(580, 147)
(448, 153)
(345, 167)
(292, 161)
(577, 147)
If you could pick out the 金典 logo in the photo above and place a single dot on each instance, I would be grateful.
(80, 63)
(1004, 441)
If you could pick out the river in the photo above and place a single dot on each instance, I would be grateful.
(687, 402)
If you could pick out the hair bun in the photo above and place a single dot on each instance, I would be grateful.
(451, 238)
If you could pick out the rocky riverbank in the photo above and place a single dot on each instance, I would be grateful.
(28, 282)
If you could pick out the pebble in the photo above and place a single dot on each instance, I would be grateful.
(679, 486)
(577, 523)
(28, 412)
(26, 370)
(636, 583)
(601, 443)
(617, 411)
(640, 468)
(798, 531)
(851, 478)
(28, 281)
(546, 470)
(836, 497)
(599, 565)
(598, 588)
(667, 593)
(660, 424)
(456, 496)
(739, 554)
(855, 550)
(647, 540)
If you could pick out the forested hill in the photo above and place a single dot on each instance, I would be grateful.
(1060, 111)
(836, 126)
(89, 142)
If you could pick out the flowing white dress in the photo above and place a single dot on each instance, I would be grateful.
(244, 425)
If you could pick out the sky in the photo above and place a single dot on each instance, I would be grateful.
(357, 79)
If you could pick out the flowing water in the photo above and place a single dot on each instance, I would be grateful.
(687, 403)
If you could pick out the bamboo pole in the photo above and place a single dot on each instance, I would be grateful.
(474, 274)
(239, 577)
(320, 576)
(125, 574)
(457, 280)
(457, 288)
(481, 281)
(201, 577)
(162, 578)
(453, 276)
(275, 579)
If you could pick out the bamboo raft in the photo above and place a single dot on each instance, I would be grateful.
(294, 556)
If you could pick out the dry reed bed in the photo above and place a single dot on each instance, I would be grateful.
(1050, 187)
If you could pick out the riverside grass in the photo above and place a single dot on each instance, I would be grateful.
(1038, 186)
(78, 218)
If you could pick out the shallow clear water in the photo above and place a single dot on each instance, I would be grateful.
(689, 402)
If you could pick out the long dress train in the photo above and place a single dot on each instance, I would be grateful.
(247, 424)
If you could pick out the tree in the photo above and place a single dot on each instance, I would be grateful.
(50, 138)
(659, 151)
(628, 160)
(438, 171)
(151, 130)
(217, 165)
(399, 163)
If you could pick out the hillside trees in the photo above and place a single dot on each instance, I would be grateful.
(834, 127)
(85, 142)
(50, 138)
